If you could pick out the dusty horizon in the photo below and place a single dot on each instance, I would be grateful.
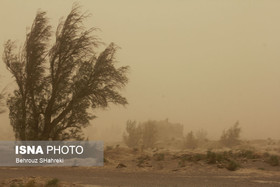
(202, 64)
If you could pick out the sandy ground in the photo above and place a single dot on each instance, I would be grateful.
(123, 177)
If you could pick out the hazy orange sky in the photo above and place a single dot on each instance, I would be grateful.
(204, 64)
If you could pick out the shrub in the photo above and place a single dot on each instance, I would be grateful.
(230, 137)
(211, 157)
(232, 165)
(273, 160)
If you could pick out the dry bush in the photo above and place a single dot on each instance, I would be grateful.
(232, 165)
(273, 160)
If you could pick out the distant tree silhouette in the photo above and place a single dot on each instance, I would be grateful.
(150, 137)
(134, 134)
(190, 141)
(58, 83)
(143, 136)
(231, 136)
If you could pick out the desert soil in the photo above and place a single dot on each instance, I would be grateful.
(79, 176)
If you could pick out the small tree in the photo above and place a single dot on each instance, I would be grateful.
(231, 136)
(190, 141)
(56, 84)
(134, 134)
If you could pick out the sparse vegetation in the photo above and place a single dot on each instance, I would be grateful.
(223, 159)
(230, 159)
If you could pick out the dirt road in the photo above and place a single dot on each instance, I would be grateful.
(119, 177)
